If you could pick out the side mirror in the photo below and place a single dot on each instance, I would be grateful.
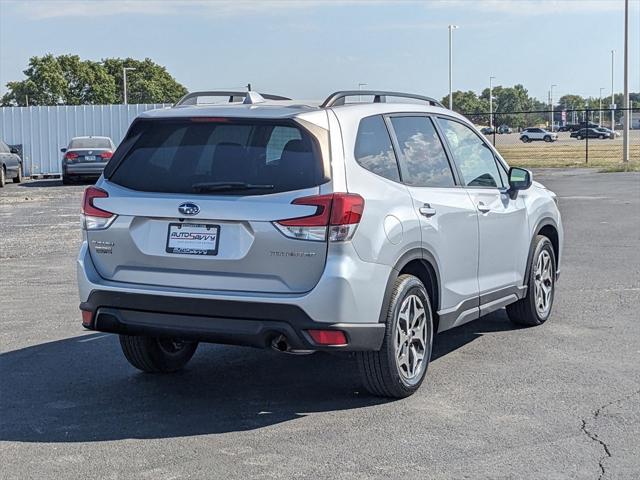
(63, 150)
(519, 179)
(14, 150)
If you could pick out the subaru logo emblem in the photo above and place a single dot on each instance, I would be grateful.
(189, 208)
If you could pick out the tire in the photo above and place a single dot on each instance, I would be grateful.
(547, 138)
(154, 355)
(18, 177)
(525, 139)
(601, 137)
(382, 372)
(3, 178)
(579, 137)
(66, 180)
(527, 311)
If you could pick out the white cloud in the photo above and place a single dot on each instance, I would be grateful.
(536, 7)
(96, 8)
(42, 9)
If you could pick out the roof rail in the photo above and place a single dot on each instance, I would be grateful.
(379, 96)
(192, 98)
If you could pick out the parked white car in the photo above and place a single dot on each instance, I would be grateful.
(533, 134)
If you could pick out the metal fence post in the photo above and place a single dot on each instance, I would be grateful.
(493, 121)
(586, 138)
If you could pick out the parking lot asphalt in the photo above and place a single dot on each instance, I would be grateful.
(557, 401)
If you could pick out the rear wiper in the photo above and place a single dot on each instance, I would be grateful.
(223, 186)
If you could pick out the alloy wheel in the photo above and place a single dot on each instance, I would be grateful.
(543, 283)
(411, 338)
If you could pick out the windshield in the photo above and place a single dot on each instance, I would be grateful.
(203, 155)
(89, 143)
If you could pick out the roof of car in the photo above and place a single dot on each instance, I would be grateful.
(255, 105)
(289, 109)
(90, 136)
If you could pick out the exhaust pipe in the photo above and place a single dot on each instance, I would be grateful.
(281, 344)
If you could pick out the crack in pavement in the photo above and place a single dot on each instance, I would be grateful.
(594, 436)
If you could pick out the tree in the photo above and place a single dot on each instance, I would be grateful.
(68, 80)
(61, 80)
(148, 83)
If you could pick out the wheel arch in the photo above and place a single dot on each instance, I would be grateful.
(549, 228)
(420, 263)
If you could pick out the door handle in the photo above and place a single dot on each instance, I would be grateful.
(427, 211)
(483, 208)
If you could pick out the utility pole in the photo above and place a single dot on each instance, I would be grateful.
(26, 100)
(625, 102)
(551, 104)
(124, 82)
(451, 29)
(600, 109)
(612, 105)
(491, 101)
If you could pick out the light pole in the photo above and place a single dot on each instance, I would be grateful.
(124, 82)
(600, 108)
(551, 104)
(611, 105)
(451, 29)
(625, 100)
(491, 79)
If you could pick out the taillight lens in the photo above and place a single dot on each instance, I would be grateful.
(106, 155)
(337, 216)
(94, 218)
(328, 337)
(71, 156)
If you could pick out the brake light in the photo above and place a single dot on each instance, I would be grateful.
(94, 218)
(87, 318)
(106, 155)
(328, 337)
(70, 155)
(337, 216)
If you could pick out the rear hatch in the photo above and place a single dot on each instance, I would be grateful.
(196, 200)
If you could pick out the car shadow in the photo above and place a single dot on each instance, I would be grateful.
(81, 389)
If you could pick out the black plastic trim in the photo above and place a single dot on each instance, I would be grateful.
(219, 321)
(541, 223)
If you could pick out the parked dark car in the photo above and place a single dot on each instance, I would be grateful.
(574, 127)
(86, 157)
(503, 129)
(608, 132)
(589, 132)
(10, 164)
(487, 130)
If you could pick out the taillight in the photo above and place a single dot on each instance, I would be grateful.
(328, 337)
(94, 218)
(70, 155)
(106, 155)
(337, 216)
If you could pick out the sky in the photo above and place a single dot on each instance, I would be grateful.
(308, 49)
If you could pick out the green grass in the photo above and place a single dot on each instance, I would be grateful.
(550, 155)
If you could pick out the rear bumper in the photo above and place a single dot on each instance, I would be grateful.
(82, 169)
(219, 321)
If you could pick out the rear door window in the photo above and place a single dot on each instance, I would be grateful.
(423, 161)
(89, 143)
(374, 151)
(240, 157)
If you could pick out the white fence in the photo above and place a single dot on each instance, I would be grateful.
(43, 131)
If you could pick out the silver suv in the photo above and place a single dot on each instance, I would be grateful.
(357, 225)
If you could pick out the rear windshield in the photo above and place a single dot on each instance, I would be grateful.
(90, 143)
(217, 156)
